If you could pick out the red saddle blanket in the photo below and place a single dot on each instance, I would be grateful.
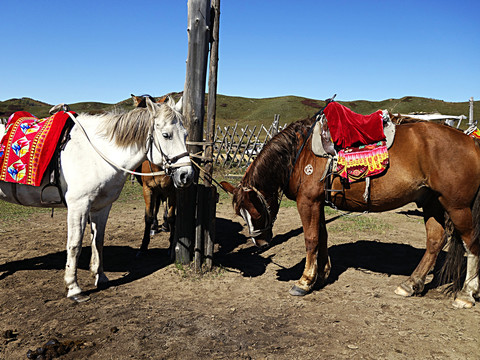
(347, 127)
(366, 160)
(28, 146)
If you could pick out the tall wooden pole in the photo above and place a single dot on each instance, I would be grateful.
(196, 76)
(212, 90)
(211, 191)
(194, 111)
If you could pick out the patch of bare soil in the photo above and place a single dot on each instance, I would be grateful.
(156, 310)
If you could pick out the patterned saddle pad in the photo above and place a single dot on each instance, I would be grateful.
(28, 146)
(356, 163)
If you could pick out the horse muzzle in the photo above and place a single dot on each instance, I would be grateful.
(263, 240)
(183, 176)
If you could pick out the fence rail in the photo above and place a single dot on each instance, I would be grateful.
(238, 147)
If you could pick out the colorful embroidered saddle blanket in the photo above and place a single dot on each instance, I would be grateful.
(348, 128)
(356, 163)
(28, 146)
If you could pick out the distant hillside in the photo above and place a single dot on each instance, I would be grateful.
(261, 111)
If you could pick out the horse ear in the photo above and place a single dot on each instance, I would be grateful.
(179, 105)
(227, 186)
(139, 101)
(163, 99)
(151, 106)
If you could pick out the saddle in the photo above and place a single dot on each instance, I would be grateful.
(324, 144)
(355, 144)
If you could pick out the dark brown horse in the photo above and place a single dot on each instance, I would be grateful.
(433, 165)
(156, 189)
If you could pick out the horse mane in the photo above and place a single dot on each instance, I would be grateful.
(131, 127)
(403, 119)
(271, 170)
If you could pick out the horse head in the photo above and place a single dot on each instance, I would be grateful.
(256, 210)
(168, 138)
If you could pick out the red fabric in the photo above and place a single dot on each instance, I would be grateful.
(28, 146)
(348, 128)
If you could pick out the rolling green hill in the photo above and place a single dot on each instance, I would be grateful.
(261, 111)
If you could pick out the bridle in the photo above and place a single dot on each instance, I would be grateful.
(169, 163)
(269, 218)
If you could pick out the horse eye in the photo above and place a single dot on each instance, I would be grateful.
(167, 136)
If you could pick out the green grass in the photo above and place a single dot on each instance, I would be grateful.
(131, 192)
(16, 213)
(355, 223)
(251, 112)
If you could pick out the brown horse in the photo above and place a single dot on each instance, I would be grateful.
(433, 165)
(156, 189)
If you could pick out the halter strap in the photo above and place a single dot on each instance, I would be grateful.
(266, 206)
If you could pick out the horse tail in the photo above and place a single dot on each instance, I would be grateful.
(453, 269)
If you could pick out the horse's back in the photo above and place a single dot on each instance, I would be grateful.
(435, 145)
(441, 157)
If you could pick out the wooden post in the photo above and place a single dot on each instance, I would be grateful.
(212, 90)
(196, 76)
(194, 111)
(210, 191)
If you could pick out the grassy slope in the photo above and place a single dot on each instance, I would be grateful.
(261, 111)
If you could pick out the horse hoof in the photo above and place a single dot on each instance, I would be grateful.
(404, 290)
(296, 291)
(79, 298)
(463, 303)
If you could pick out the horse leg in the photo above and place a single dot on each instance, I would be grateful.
(463, 222)
(471, 289)
(158, 201)
(433, 216)
(149, 197)
(76, 221)
(315, 231)
(165, 225)
(98, 223)
(170, 220)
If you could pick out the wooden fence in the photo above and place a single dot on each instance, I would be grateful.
(236, 146)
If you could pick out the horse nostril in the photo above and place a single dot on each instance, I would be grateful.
(183, 177)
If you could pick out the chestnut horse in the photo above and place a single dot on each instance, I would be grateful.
(433, 165)
(156, 189)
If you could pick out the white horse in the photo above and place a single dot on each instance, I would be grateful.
(89, 184)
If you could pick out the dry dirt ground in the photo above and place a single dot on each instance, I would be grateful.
(156, 310)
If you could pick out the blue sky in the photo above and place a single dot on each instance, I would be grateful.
(73, 51)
